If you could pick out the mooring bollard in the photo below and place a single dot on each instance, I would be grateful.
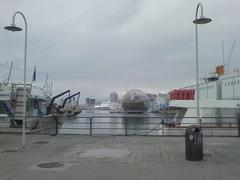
(90, 127)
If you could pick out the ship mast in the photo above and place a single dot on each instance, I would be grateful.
(223, 56)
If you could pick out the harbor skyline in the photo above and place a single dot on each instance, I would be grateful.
(95, 46)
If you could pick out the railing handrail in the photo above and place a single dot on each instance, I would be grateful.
(127, 123)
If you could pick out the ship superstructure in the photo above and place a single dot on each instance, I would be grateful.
(219, 96)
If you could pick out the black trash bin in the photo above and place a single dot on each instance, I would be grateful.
(194, 143)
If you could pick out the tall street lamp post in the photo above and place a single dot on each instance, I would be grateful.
(14, 28)
(201, 20)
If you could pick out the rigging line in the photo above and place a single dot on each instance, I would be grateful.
(157, 127)
(29, 70)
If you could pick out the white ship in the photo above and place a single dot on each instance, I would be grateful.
(219, 100)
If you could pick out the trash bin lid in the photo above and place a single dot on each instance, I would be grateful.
(192, 129)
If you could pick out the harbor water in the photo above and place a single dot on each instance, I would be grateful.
(102, 122)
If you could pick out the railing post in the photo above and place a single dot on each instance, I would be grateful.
(162, 123)
(238, 125)
(163, 129)
(56, 125)
(90, 127)
(126, 124)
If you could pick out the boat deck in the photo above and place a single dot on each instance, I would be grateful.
(116, 157)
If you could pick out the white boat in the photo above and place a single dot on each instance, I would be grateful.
(160, 104)
(103, 106)
(11, 106)
(219, 99)
(116, 108)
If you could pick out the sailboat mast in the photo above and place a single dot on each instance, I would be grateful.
(10, 72)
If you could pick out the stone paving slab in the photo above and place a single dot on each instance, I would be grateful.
(116, 158)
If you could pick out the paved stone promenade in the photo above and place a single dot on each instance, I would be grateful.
(115, 158)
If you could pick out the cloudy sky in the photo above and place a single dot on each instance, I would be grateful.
(94, 46)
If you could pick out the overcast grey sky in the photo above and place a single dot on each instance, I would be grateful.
(94, 45)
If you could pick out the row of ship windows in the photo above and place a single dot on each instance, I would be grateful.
(232, 83)
(206, 87)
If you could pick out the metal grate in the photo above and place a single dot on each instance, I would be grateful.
(41, 142)
(10, 151)
(50, 165)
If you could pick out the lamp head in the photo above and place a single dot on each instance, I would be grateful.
(202, 20)
(13, 28)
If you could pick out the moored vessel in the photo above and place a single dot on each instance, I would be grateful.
(219, 97)
(11, 105)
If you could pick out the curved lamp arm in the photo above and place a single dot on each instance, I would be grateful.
(199, 5)
(14, 16)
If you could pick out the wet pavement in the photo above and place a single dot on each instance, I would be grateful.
(115, 157)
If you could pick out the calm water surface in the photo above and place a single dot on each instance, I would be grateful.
(104, 122)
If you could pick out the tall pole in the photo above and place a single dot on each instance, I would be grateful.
(24, 79)
(197, 72)
(24, 88)
(201, 20)
(197, 78)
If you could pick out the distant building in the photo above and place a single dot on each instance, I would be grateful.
(113, 97)
(90, 102)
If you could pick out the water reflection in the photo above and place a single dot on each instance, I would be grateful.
(103, 122)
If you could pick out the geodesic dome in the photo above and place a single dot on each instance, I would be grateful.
(135, 95)
(135, 101)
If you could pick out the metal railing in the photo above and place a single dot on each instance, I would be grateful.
(123, 125)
